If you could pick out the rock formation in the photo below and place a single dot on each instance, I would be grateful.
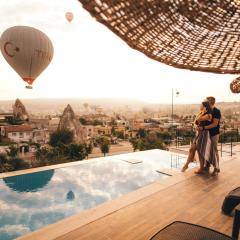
(69, 121)
(19, 111)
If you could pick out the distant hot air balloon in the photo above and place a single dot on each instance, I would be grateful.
(27, 50)
(69, 16)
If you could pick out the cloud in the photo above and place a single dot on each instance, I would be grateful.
(13, 231)
(92, 183)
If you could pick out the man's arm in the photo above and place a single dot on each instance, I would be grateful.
(212, 125)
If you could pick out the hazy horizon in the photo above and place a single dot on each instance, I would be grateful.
(117, 99)
(44, 107)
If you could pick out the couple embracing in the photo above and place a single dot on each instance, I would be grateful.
(207, 124)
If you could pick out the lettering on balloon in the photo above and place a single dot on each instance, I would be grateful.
(43, 54)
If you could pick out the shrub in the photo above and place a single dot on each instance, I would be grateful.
(18, 163)
(76, 151)
(11, 163)
(63, 136)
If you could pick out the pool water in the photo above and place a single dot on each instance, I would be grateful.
(32, 201)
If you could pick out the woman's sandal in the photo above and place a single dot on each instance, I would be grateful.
(184, 168)
(215, 172)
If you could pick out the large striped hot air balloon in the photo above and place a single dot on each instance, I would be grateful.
(69, 16)
(27, 50)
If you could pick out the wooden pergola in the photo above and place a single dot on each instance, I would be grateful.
(200, 35)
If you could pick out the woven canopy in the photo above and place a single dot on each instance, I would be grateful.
(202, 35)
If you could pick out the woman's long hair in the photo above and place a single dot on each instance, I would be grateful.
(206, 104)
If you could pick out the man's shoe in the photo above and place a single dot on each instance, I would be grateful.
(206, 169)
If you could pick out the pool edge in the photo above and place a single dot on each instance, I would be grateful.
(69, 164)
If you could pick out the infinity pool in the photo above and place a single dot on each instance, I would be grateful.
(32, 201)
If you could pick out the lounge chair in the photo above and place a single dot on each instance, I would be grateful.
(187, 231)
(231, 201)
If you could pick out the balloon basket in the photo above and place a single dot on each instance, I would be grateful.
(29, 87)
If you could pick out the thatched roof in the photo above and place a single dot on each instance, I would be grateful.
(202, 35)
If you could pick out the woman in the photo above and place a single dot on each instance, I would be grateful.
(201, 142)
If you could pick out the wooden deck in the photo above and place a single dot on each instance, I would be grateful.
(195, 199)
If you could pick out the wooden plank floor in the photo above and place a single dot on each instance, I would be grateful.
(197, 199)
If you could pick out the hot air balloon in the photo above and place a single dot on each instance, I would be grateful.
(27, 50)
(69, 16)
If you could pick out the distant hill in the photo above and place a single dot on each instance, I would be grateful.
(51, 106)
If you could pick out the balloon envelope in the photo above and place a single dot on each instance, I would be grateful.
(27, 50)
(69, 16)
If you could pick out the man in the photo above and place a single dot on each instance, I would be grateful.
(214, 130)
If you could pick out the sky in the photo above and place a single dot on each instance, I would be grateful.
(92, 62)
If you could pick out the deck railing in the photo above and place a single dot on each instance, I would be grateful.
(229, 142)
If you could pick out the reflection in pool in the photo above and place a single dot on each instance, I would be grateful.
(70, 195)
(29, 182)
(29, 202)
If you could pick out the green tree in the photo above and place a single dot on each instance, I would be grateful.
(42, 156)
(141, 133)
(164, 136)
(183, 136)
(18, 163)
(134, 143)
(89, 148)
(76, 151)
(113, 132)
(119, 134)
(11, 163)
(83, 121)
(45, 156)
(97, 122)
(54, 156)
(41, 152)
(150, 142)
(104, 145)
(4, 165)
(51, 156)
(63, 136)
(13, 151)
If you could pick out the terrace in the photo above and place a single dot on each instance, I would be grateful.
(195, 37)
(141, 213)
(187, 198)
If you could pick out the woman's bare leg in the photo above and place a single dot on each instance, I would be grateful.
(201, 165)
(190, 158)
